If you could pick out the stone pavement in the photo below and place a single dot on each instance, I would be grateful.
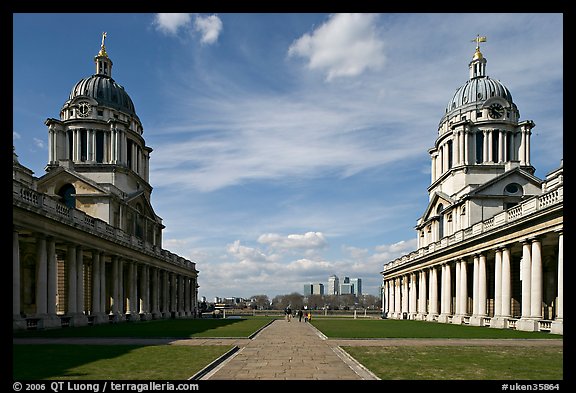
(289, 351)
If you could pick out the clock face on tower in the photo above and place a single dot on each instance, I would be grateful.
(84, 108)
(495, 111)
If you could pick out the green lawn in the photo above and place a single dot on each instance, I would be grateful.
(395, 328)
(171, 328)
(110, 362)
(461, 363)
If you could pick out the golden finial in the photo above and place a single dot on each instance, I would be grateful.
(478, 40)
(102, 47)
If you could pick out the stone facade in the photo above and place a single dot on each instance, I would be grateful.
(490, 242)
(87, 244)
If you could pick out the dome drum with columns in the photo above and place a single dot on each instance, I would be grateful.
(87, 244)
(486, 213)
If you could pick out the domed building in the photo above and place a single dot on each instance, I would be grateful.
(490, 241)
(87, 243)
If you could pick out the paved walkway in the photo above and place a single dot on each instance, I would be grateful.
(292, 351)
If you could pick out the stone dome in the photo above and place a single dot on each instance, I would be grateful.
(104, 90)
(477, 90)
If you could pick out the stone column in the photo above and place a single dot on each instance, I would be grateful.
(558, 322)
(506, 283)
(72, 307)
(187, 296)
(501, 139)
(391, 299)
(526, 322)
(180, 295)
(52, 282)
(174, 290)
(525, 276)
(41, 277)
(103, 304)
(17, 321)
(80, 279)
(95, 282)
(115, 287)
(433, 313)
(536, 278)
(501, 289)
(446, 300)
(412, 296)
(479, 296)
(423, 293)
(463, 288)
(489, 145)
(166, 294)
(458, 301)
(405, 295)
(130, 291)
(498, 283)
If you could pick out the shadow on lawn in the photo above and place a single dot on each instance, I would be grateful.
(172, 328)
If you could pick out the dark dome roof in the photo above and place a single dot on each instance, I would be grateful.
(477, 90)
(104, 90)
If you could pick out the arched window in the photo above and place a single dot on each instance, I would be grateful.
(68, 194)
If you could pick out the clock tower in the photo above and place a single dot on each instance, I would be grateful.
(481, 157)
(98, 159)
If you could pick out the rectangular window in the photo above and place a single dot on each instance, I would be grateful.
(99, 146)
(450, 152)
(83, 145)
(495, 140)
(70, 145)
(479, 147)
(129, 154)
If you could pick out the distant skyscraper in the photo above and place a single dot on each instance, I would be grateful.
(318, 289)
(356, 286)
(333, 285)
(307, 289)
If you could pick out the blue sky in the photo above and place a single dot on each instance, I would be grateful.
(288, 147)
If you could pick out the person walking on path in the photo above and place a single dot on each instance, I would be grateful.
(300, 313)
(288, 313)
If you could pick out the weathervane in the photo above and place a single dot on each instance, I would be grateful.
(477, 40)
(102, 47)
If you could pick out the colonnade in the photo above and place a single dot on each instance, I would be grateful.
(85, 145)
(496, 287)
(59, 282)
(497, 146)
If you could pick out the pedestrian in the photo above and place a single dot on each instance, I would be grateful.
(288, 313)
(309, 316)
(300, 313)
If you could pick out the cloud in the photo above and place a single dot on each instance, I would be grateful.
(171, 23)
(346, 45)
(210, 28)
(309, 240)
(38, 143)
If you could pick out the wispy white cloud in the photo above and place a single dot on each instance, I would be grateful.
(209, 27)
(170, 23)
(346, 45)
(309, 240)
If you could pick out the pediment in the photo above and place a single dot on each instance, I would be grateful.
(530, 184)
(439, 198)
